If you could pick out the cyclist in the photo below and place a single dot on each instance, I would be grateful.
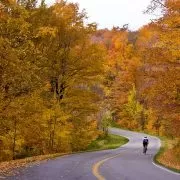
(145, 144)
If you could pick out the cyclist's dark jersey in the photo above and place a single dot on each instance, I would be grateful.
(145, 142)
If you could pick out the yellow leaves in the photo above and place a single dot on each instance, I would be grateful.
(172, 5)
(120, 41)
(151, 121)
(133, 107)
(50, 79)
(83, 134)
(118, 44)
(158, 45)
(148, 36)
(46, 32)
(163, 34)
(68, 13)
(56, 112)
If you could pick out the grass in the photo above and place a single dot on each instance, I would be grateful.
(107, 142)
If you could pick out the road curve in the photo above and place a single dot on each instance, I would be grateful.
(125, 163)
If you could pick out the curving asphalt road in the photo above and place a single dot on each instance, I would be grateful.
(125, 163)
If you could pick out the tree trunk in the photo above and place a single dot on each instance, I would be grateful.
(14, 139)
(53, 134)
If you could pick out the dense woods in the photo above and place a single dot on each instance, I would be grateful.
(62, 80)
(50, 79)
(143, 74)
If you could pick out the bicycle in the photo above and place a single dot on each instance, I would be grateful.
(145, 149)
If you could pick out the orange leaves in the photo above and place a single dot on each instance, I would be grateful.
(50, 79)
(172, 6)
(121, 65)
(158, 46)
(47, 31)
(152, 65)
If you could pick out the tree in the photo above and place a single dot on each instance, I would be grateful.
(49, 74)
(106, 122)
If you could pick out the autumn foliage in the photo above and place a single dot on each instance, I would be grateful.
(61, 79)
(143, 74)
(50, 78)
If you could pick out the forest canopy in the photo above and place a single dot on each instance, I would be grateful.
(62, 81)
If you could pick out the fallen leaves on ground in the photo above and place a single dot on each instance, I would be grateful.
(10, 168)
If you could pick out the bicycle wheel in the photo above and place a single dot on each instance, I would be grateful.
(145, 150)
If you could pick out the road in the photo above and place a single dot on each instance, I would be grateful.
(125, 163)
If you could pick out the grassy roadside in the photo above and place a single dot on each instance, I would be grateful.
(9, 168)
(109, 142)
(167, 156)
